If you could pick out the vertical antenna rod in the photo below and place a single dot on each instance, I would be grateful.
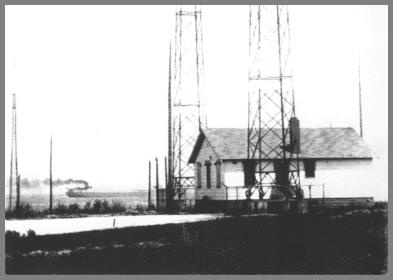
(157, 185)
(360, 102)
(166, 173)
(149, 189)
(17, 192)
(50, 178)
(280, 79)
(14, 153)
(169, 186)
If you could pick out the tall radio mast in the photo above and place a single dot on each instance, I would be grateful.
(273, 140)
(184, 98)
(14, 155)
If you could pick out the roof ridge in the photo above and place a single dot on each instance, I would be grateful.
(322, 127)
(327, 142)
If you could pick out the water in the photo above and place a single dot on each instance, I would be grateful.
(40, 200)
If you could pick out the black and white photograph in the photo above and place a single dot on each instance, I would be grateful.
(196, 140)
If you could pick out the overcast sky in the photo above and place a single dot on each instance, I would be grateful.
(95, 77)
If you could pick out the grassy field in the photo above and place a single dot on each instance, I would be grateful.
(40, 201)
(353, 242)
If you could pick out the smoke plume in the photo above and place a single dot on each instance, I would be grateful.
(35, 183)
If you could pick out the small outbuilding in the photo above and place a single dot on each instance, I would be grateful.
(219, 154)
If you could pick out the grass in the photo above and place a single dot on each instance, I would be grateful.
(25, 210)
(351, 243)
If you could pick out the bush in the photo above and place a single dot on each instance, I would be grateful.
(60, 208)
(105, 207)
(11, 235)
(24, 210)
(380, 205)
(73, 208)
(97, 206)
(87, 207)
(117, 206)
(139, 207)
(31, 233)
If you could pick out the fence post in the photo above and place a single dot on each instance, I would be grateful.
(149, 189)
(18, 192)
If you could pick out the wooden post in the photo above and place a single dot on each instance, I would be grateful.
(50, 179)
(149, 189)
(166, 174)
(169, 186)
(18, 192)
(309, 191)
(323, 197)
(157, 186)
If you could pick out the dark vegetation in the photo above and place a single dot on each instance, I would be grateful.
(350, 242)
(25, 210)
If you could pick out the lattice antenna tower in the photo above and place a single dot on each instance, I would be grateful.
(14, 155)
(273, 140)
(185, 106)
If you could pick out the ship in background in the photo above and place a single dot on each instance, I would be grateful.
(83, 192)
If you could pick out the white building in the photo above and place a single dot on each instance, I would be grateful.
(219, 154)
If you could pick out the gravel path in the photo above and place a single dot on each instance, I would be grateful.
(68, 225)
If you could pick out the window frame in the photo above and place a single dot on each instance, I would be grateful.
(208, 174)
(218, 173)
(199, 175)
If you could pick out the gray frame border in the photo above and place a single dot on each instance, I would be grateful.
(177, 2)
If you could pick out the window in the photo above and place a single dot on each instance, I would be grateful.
(309, 168)
(199, 175)
(208, 173)
(218, 174)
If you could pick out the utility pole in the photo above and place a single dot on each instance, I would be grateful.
(14, 153)
(149, 189)
(166, 173)
(18, 193)
(157, 184)
(169, 186)
(360, 102)
(50, 178)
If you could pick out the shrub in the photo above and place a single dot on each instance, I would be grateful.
(11, 235)
(139, 207)
(105, 206)
(73, 208)
(97, 206)
(380, 205)
(87, 207)
(117, 206)
(31, 233)
(60, 208)
(8, 213)
(25, 210)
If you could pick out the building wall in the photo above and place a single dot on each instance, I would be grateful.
(342, 178)
(207, 155)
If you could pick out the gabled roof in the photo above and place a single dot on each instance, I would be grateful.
(315, 143)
